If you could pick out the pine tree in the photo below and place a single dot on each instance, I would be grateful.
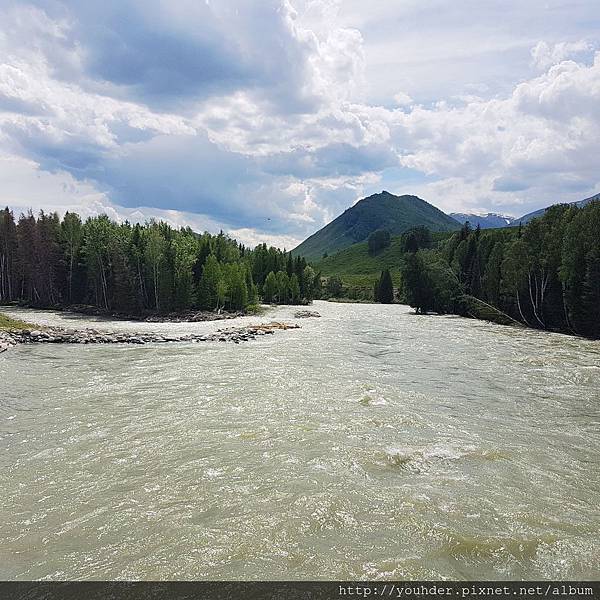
(283, 287)
(308, 280)
(294, 289)
(8, 256)
(154, 256)
(208, 288)
(385, 289)
(186, 252)
(237, 291)
(250, 286)
(72, 239)
(98, 236)
(270, 288)
(28, 262)
(124, 297)
(416, 284)
(50, 268)
(492, 277)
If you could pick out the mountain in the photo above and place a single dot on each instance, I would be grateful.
(493, 220)
(487, 221)
(538, 213)
(396, 214)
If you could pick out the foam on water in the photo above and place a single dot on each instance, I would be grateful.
(371, 443)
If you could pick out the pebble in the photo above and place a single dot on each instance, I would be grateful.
(59, 335)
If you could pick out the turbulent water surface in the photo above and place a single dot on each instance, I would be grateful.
(371, 443)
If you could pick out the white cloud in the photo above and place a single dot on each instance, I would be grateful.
(27, 187)
(268, 119)
(402, 99)
(545, 55)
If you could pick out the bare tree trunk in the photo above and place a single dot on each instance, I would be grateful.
(103, 283)
(534, 302)
(142, 285)
(71, 277)
(156, 286)
(521, 310)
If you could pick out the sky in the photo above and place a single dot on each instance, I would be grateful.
(267, 119)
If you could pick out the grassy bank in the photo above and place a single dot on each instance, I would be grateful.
(357, 267)
(7, 323)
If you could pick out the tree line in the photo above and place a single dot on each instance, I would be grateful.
(545, 274)
(46, 261)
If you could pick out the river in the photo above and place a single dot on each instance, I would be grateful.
(372, 443)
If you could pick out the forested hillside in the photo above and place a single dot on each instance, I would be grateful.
(545, 274)
(358, 267)
(49, 262)
(538, 213)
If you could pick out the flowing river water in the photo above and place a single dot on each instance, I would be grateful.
(372, 443)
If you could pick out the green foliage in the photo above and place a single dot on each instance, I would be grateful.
(334, 287)
(378, 240)
(7, 322)
(270, 288)
(235, 290)
(250, 286)
(417, 285)
(309, 278)
(255, 309)
(283, 287)
(210, 295)
(154, 255)
(71, 237)
(492, 276)
(416, 238)
(358, 269)
(428, 283)
(133, 269)
(545, 274)
(186, 252)
(294, 289)
(384, 288)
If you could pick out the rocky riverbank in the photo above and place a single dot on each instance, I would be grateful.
(60, 335)
(187, 316)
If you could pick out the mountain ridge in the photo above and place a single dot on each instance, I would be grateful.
(538, 213)
(397, 214)
(384, 210)
(485, 221)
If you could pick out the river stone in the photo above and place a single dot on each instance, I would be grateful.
(306, 314)
(57, 335)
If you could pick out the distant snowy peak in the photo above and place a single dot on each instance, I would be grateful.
(485, 221)
(491, 220)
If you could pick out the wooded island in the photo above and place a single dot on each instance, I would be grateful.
(48, 262)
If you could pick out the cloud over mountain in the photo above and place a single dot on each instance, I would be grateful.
(270, 118)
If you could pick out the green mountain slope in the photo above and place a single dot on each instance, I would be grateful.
(380, 211)
(355, 266)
